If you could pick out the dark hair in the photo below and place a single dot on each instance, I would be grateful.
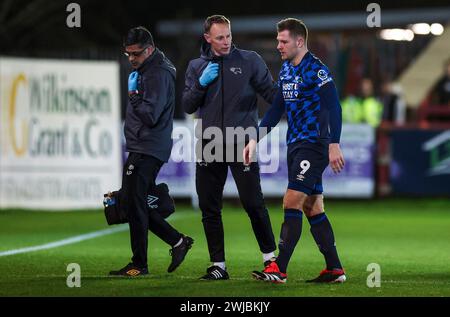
(139, 35)
(295, 27)
(214, 19)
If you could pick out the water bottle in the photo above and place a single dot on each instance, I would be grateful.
(109, 200)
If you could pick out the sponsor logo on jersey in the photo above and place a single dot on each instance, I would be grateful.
(322, 74)
(290, 91)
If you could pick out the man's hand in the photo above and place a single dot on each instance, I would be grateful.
(249, 152)
(336, 158)
(133, 82)
(209, 74)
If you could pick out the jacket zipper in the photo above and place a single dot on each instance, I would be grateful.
(223, 100)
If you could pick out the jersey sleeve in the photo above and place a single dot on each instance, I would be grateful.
(320, 76)
(323, 84)
(272, 116)
(329, 98)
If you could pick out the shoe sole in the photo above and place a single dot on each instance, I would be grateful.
(340, 279)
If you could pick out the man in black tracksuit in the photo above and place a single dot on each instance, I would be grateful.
(148, 133)
(222, 85)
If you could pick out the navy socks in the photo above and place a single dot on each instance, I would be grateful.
(291, 230)
(323, 235)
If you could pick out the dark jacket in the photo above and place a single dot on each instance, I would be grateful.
(230, 100)
(149, 116)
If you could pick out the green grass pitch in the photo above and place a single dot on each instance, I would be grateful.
(409, 239)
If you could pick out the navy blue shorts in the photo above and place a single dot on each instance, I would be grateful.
(306, 163)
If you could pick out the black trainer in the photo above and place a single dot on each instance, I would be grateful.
(178, 253)
(130, 270)
(215, 273)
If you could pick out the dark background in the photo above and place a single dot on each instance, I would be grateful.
(29, 28)
(37, 28)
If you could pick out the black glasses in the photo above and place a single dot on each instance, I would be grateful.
(135, 54)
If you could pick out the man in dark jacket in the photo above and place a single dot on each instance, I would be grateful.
(223, 85)
(148, 133)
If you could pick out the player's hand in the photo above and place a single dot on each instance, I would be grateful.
(336, 158)
(249, 152)
(209, 74)
(133, 81)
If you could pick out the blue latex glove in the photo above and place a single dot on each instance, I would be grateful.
(133, 81)
(209, 74)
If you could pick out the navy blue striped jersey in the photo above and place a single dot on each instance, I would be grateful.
(300, 86)
(308, 95)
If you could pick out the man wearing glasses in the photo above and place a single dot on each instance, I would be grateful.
(148, 132)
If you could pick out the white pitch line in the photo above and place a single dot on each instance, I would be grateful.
(75, 239)
(67, 241)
